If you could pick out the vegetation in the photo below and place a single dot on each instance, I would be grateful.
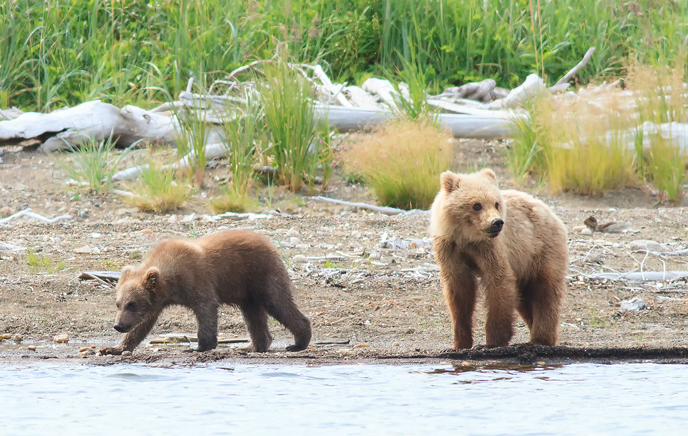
(55, 53)
(289, 114)
(157, 190)
(37, 263)
(94, 163)
(402, 162)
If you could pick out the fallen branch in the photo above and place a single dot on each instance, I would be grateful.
(105, 276)
(577, 68)
(10, 247)
(380, 209)
(28, 213)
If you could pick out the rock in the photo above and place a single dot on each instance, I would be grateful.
(83, 214)
(396, 344)
(5, 336)
(62, 338)
(31, 348)
(300, 258)
(578, 229)
(363, 345)
(292, 232)
(17, 338)
(5, 211)
(82, 349)
(86, 250)
(294, 241)
(647, 245)
(172, 219)
(126, 353)
(635, 304)
(586, 231)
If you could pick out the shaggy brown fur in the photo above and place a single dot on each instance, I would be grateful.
(234, 267)
(521, 258)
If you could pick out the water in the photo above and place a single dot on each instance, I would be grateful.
(580, 399)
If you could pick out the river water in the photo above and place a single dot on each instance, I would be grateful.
(577, 399)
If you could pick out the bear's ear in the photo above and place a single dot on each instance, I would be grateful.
(489, 174)
(151, 281)
(125, 272)
(449, 181)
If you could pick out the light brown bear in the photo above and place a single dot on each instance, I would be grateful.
(235, 267)
(513, 243)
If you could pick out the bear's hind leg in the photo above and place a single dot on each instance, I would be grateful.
(544, 301)
(256, 319)
(296, 322)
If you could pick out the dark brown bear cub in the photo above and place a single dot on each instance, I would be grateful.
(235, 267)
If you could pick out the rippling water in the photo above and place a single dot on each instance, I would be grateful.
(580, 399)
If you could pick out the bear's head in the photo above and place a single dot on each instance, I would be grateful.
(137, 290)
(469, 207)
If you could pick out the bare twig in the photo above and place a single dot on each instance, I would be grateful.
(577, 68)
(381, 209)
(28, 213)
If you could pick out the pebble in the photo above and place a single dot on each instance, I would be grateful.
(172, 219)
(396, 344)
(126, 353)
(5, 211)
(5, 336)
(62, 338)
(86, 250)
(363, 345)
(31, 348)
(83, 214)
(17, 338)
(294, 240)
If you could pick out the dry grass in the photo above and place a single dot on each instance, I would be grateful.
(661, 99)
(158, 190)
(581, 142)
(402, 162)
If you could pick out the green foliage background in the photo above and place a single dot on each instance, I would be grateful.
(55, 53)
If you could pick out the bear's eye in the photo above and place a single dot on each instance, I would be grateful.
(497, 206)
(130, 307)
(477, 206)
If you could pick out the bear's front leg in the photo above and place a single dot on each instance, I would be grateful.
(134, 337)
(500, 297)
(206, 315)
(459, 286)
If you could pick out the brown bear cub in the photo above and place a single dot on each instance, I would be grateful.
(513, 243)
(235, 267)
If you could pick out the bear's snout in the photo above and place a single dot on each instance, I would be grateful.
(495, 227)
(120, 327)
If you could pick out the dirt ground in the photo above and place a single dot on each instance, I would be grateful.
(367, 281)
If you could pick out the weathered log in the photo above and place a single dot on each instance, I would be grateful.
(94, 120)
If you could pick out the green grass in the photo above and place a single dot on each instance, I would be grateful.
(55, 53)
(286, 97)
(37, 263)
(158, 190)
(94, 162)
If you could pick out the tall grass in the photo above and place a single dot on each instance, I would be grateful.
(94, 163)
(402, 162)
(62, 52)
(286, 96)
(245, 136)
(661, 99)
